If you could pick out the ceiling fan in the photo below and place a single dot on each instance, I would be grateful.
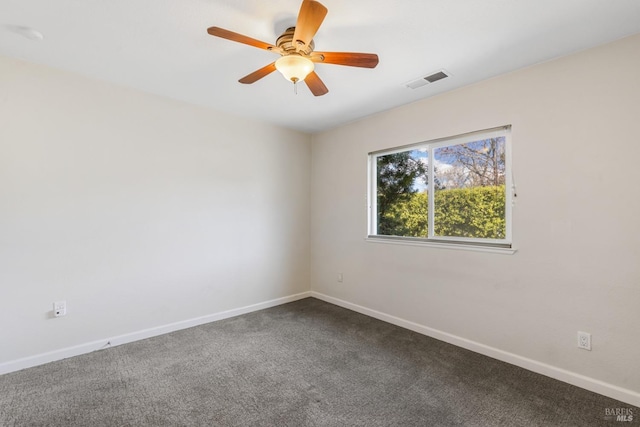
(295, 46)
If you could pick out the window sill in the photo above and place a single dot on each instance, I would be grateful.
(442, 245)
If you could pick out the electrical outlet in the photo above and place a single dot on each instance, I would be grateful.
(584, 340)
(60, 308)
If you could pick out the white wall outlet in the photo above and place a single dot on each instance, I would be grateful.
(60, 308)
(584, 340)
(340, 277)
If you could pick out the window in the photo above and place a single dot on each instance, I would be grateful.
(453, 190)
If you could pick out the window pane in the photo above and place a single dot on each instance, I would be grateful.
(402, 193)
(470, 193)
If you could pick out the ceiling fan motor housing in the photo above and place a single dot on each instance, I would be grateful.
(288, 45)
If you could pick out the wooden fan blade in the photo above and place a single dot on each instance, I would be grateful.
(230, 35)
(310, 18)
(258, 74)
(351, 59)
(316, 86)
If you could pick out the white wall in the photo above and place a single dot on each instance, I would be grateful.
(576, 157)
(137, 210)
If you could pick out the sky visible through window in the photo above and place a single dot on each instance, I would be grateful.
(464, 165)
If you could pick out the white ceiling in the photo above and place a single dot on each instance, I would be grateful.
(162, 47)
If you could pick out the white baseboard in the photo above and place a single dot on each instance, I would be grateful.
(52, 356)
(624, 395)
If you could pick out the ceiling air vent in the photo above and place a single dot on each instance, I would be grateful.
(431, 78)
(436, 76)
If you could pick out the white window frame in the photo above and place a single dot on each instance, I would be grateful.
(493, 245)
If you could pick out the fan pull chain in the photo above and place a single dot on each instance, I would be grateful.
(295, 87)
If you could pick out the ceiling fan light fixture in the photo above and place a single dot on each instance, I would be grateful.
(294, 67)
(296, 48)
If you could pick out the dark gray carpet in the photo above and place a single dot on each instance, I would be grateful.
(307, 363)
